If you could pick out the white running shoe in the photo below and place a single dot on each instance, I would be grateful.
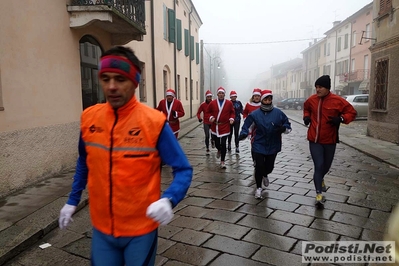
(222, 165)
(258, 193)
(266, 181)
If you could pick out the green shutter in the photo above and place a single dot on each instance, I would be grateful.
(186, 43)
(178, 35)
(192, 47)
(172, 25)
(197, 50)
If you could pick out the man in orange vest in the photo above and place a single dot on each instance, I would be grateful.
(121, 146)
(173, 109)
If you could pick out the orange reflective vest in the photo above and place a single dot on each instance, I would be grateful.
(124, 166)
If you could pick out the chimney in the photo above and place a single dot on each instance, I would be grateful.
(310, 44)
(315, 41)
(335, 23)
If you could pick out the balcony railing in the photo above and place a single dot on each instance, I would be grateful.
(354, 76)
(132, 10)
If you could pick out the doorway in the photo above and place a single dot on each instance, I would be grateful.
(90, 53)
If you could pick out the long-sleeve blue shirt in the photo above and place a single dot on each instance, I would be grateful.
(170, 152)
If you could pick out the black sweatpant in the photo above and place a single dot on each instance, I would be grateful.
(264, 165)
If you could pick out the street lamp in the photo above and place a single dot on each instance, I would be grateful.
(212, 64)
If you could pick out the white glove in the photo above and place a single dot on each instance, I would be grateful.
(66, 215)
(160, 211)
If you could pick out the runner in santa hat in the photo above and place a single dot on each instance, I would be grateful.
(207, 125)
(235, 127)
(253, 104)
(173, 109)
(221, 115)
(266, 142)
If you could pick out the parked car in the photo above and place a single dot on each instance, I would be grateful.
(360, 102)
(296, 103)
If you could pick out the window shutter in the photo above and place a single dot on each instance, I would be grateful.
(178, 35)
(172, 25)
(186, 43)
(197, 53)
(192, 47)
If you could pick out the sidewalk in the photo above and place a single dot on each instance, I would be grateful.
(25, 217)
(355, 137)
(29, 214)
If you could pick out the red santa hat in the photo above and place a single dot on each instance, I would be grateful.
(221, 89)
(257, 91)
(233, 93)
(170, 92)
(208, 93)
(266, 93)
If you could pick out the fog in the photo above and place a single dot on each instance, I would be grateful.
(251, 36)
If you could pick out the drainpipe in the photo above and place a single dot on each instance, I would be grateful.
(335, 59)
(175, 54)
(189, 60)
(154, 79)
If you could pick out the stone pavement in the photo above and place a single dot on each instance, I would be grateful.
(220, 222)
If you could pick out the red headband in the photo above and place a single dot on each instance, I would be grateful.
(120, 65)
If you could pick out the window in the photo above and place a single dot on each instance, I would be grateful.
(361, 99)
(186, 43)
(339, 44)
(366, 67)
(196, 90)
(142, 89)
(346, 41)
(328, 49)
(92, 92)
(192, 47)
(165, 80)
(325, 49)
(179, 44)
(353, 65)
(1, 97)
(191, 90)
(381, 84)
(197, 52)
(367, 33)
(385, 7)
(178, 87)
(186, 88)
(354, 38)
(165, 22)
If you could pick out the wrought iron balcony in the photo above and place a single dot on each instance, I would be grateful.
(305, 85)
(355, 76)
(123, 19)
(359, 75)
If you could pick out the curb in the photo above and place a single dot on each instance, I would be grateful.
(29, 230)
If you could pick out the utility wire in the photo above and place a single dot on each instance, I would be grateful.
(277, 41)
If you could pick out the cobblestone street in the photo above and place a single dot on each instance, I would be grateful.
(221, 223)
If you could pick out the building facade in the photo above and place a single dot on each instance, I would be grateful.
(170, 54)
(49, 73)
(383, 115)
(359, 74)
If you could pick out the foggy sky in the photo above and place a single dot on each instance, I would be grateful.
(228, 23)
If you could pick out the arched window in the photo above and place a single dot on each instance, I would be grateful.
(166, 78)
(90, 53)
